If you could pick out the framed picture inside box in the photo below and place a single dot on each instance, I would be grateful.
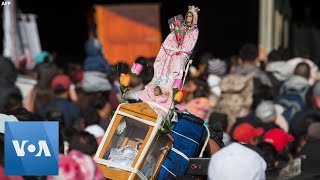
(131, 147)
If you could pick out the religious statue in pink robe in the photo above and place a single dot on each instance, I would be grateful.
(170, 62)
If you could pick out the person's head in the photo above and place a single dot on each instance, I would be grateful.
(45, 73)
(217, 67)
(97, 131)
(246, 133)
(202, 91)
(261, 92)
(90, 117)
(192, 15)
(278, 138)
(189, 18)
(269, 154)
(122, 68)
(60, 85)
(135, 81)
(266, 112)
(201, 88)
(23, 114)
(44, 57)
(303, 69)
(275, 55)
(142, 60)
(314, 130)
(8, 72)
(190, 84)
(10, 100)
(147, 74)
(97, 63)
(73, 69)
(316, 95)
(100, 101)
(236, 161)
(84, 142)
(77, 78)
(221, 118)
(157, 91)
(249, 54)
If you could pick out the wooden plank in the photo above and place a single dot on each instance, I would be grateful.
(140, 108)
(112, 173)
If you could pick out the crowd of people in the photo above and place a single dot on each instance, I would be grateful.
(263, 115)
(268, 110)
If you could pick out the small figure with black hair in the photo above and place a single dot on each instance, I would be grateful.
(84, 142)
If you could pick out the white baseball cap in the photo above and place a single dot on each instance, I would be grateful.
(6, 118)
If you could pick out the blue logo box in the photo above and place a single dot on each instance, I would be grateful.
(31, 148)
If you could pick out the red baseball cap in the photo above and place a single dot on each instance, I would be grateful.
(245, 132)
(62, 80)
(78, 76)
(278, 138)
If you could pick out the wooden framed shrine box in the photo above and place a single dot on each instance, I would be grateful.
(131, 148)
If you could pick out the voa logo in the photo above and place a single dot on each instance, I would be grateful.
(31, 148)
(41, 147)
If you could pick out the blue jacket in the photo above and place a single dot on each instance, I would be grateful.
(70, 112)
(95, 60)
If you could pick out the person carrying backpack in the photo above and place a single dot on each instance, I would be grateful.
(293, 91)
(239, 88)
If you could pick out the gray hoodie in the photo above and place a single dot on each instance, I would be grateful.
(296, 83)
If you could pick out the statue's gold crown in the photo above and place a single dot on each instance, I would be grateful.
(193, 8)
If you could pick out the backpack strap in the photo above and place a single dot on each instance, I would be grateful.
(206, 143)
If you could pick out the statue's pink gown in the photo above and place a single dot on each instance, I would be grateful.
(169, 65)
